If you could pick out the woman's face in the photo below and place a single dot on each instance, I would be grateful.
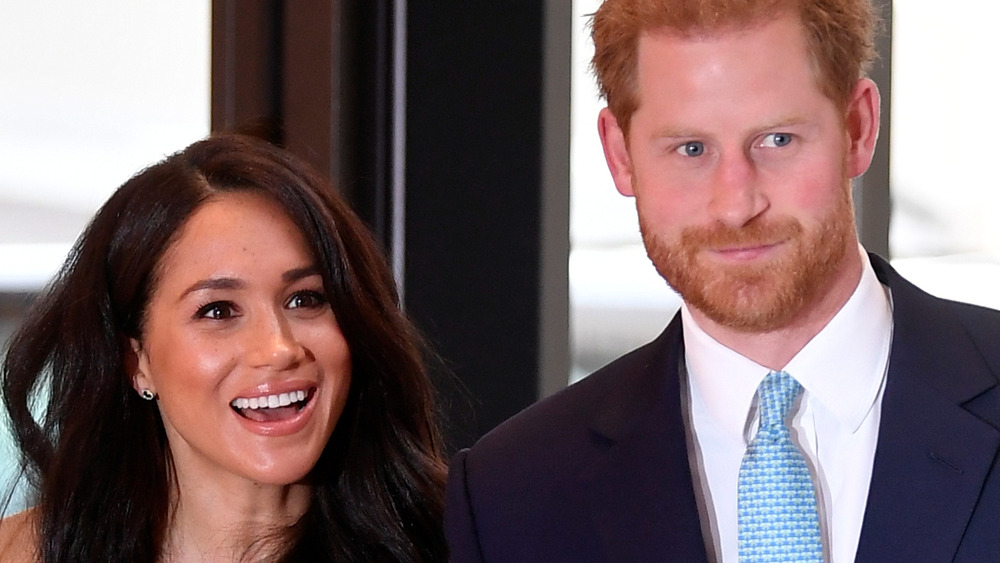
(240, 345)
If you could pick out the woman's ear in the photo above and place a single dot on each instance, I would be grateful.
(137, 364)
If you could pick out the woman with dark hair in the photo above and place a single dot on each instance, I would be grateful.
(226, 375)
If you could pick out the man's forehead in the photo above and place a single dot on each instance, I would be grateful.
(722, 33)
(722, 26)
(731, 63)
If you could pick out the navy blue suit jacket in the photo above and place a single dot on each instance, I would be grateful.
(600, 472)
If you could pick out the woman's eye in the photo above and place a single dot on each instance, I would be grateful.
(306, 299)
(693, 148)
(774, 140)
(218, 310)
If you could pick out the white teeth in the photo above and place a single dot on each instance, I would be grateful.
(270, 401)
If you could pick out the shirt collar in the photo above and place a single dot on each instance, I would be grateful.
(842, 367)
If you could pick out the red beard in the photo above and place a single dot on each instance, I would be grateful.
(768, 294)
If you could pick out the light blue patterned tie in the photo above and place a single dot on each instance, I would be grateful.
(778, 521)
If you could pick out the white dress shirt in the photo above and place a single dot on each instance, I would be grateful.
(842, 370)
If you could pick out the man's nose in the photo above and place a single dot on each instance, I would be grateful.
(737, 196)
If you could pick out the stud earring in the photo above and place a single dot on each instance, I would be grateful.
(147, 394)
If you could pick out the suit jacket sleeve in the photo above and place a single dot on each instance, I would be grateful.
(460, 525)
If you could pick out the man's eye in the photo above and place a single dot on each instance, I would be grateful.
(217, 310)
(694, 148)
(774, 140)
(307, 299)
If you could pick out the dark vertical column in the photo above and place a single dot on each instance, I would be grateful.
(872, 198)
(337, 81)
(486, 157)
(246, 74)
(312, 88)
(475, 125)
(366, 110)
(313, 76)
(553, 287)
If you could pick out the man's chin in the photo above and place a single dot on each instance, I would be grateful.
(755, 295)
(747, 305)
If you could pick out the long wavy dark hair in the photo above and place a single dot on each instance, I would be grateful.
(97, 453)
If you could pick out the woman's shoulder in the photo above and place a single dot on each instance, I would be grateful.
(19, 537)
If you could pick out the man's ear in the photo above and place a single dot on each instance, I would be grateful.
(862, 126)
(615, 151)
(137, 364)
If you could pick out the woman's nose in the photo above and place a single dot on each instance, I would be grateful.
(273, 343)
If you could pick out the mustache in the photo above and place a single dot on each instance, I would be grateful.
(757, 232)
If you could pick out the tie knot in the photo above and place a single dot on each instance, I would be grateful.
(776, 394)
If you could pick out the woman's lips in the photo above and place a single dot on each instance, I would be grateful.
(275, 414)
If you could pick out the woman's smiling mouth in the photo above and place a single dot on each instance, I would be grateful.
(272, 408)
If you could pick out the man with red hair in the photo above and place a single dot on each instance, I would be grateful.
(806, 403)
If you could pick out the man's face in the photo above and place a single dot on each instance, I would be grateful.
(741, 170)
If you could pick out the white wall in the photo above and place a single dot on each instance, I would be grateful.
(90, 93)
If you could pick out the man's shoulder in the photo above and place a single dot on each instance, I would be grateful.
(557, 425)
(526, 490)
(913, 305)
(950, 345)
(981, 325)
(975, 317)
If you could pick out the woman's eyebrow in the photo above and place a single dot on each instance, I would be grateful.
(299, 273)
(214, 283)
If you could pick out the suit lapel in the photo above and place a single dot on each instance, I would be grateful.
(933, 455)
(643, 502)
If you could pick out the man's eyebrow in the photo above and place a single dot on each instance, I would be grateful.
(786, 122)
(675, 133)
(687, 133)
